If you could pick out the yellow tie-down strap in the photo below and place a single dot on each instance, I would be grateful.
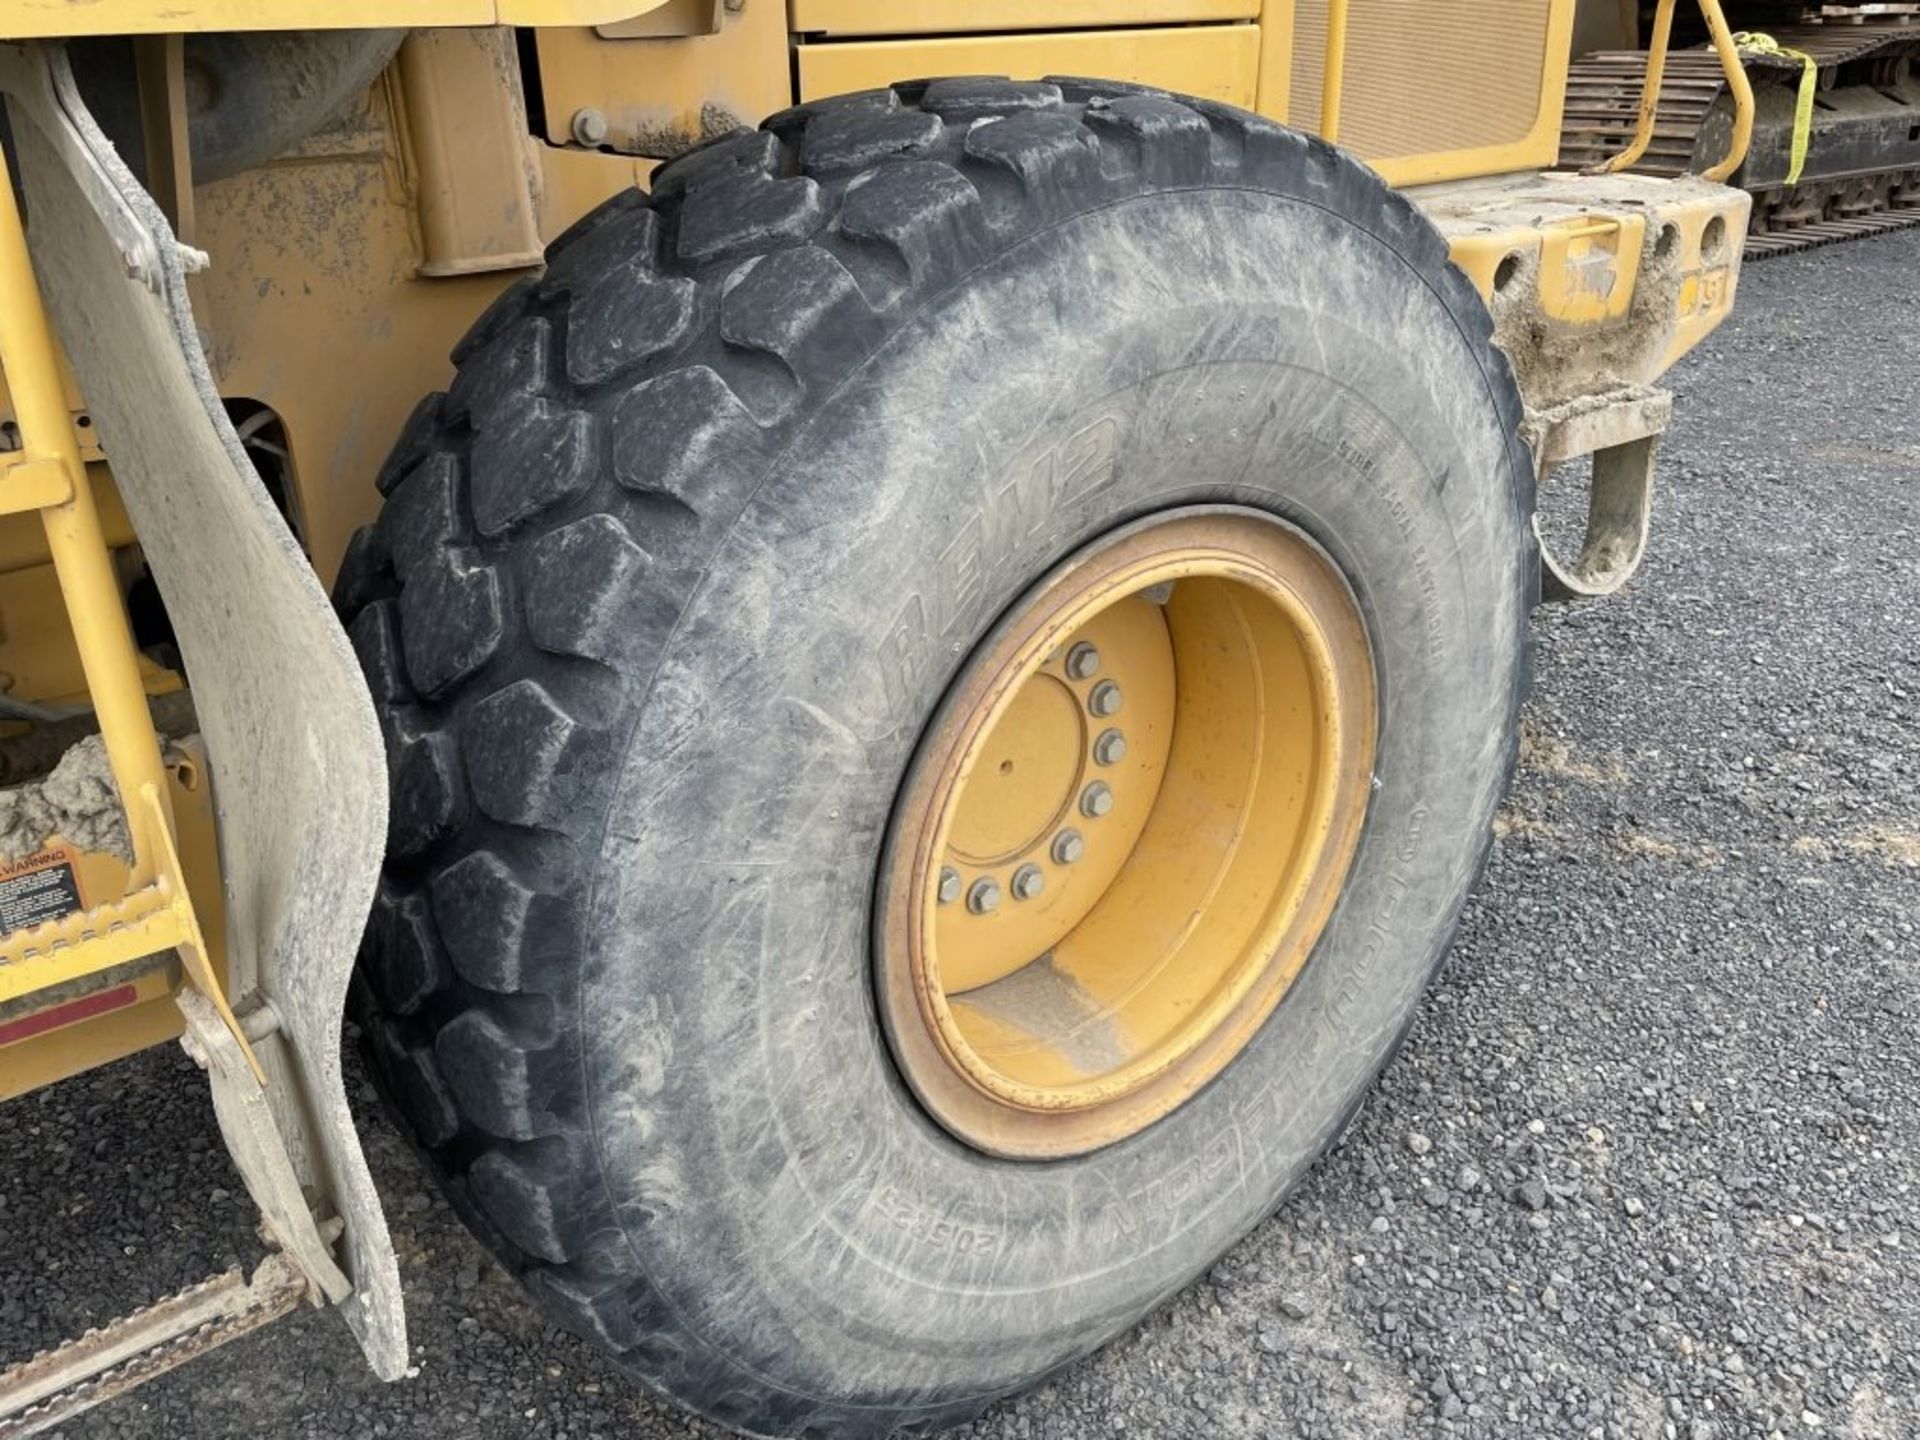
(1754, 42)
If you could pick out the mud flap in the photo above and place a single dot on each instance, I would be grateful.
(298, 769)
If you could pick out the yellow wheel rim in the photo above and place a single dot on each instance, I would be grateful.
(1125, 832)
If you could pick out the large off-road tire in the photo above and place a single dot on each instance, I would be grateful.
(670, 585)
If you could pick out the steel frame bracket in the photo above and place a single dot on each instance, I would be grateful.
(1621, 430)
(254, 1139)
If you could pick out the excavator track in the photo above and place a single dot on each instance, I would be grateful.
(1603, 101)
(1829, 232)
(1845, 192)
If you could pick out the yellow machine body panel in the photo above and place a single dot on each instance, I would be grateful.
(945, 17)
(1216, 62)
(1497, 69)
(1500, 67)
(1431, 93)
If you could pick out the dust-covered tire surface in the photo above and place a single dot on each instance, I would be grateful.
(666, 587)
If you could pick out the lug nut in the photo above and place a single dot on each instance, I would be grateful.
(1096, 800)
(984, 897)
(1069, 848)
(1105, 700)
(1083, 662)
(1028, 882)
(589, 126)
(1110, 748)
(949, 890)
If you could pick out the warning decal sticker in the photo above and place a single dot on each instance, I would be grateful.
(38, 888)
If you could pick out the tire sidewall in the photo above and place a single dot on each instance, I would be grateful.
(1187, 348)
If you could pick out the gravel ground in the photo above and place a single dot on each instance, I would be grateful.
(1646, 1166)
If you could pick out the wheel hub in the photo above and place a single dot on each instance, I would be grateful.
(1125, 831)
(1037, 782)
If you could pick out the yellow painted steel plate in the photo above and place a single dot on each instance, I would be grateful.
(1216, 62)
(932, 17)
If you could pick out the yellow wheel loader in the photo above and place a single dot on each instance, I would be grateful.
(879, 640)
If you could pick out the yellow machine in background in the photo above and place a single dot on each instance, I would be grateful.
(208, 354)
